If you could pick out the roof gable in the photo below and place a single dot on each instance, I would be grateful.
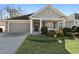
(48, 12)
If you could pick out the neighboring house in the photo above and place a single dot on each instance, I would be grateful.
(47, 16)
(72, 20)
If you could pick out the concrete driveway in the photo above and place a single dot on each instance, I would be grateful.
(9, 42)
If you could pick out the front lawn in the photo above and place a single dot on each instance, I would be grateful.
(72, 46)
(42, 44)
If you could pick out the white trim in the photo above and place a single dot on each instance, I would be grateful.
(40, 24)
(63, 23)
(58, 25)
(31, 28)
(52, 19)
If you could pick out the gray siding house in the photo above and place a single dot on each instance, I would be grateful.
(72, 20)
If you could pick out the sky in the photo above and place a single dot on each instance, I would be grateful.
(66, 9)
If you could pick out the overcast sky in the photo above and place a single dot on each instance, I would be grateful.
(66, 9)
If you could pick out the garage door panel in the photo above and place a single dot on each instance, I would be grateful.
(19, 27)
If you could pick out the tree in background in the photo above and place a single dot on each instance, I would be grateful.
(13, 12)
(10, 12)
(1, 14)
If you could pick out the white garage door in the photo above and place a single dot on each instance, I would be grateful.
(19, 27)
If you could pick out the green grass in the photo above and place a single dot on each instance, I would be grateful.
(72, 46)
(53, 47)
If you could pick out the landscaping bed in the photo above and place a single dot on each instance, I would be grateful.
(41, 38)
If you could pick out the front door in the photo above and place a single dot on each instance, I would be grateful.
(36, 25)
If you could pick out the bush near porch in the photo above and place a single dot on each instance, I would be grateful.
(44, 30)
(77, 35)
(61, 33)
(51, 33)
(66, 32)
(77, 29)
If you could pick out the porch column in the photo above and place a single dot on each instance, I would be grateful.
(63, 23)
(40, 24)
(31, 28)
(58, 25)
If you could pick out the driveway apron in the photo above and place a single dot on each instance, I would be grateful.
(9, 42)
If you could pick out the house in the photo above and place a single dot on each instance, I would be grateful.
(48, 16)
(72, 20)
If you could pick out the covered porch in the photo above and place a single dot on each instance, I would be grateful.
(47, 16)
(51, 23)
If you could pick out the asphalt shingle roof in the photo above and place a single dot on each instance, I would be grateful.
(25, 17)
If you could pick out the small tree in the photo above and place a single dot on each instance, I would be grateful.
(74, 28)
(44, 30)
(77, 29)
(51, 33)
(65, 30)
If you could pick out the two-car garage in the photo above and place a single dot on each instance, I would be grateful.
(19, 26)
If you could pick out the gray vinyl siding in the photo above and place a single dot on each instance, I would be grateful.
(69, 24)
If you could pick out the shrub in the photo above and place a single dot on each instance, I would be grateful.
(74, 29)
(77, 35)
(69, 34)
(1, 30)
(51, 33)
(65, 30)
(60, 34)
(60, 31)
(77, 29)
(44, 30)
